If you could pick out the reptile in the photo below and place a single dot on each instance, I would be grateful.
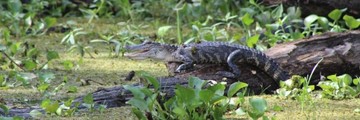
(204, 53)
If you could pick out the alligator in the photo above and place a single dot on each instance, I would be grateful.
(206, 53)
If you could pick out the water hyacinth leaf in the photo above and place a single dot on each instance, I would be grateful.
(162, 31)
(2, 48)
(4, 108)
(29, 64)
(46, 77)
(258, 104)
(88, 99)
(356, 81)
(310, 20)
(33, 52)
(351, 22)
(277, 12)
(195, 82)
(324, 22)
(206, 95)
(252, 41)
(335, 14)
(68, 65)
(135, 91)
(50, 21)
(185, 95)
(218, 89)
(51, 107)
(149, 78)
(138, 114)
(138, 103)
(240, 111)
(346, 78)
(72, 89)
(235, 87)
(35, 114)
(52, 55)
(15, 47)
(43, 87)
(247, 19)
(332, 78)
(15, 6)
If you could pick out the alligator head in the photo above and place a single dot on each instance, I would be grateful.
(152, 50)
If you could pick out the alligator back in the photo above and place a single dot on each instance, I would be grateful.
(219, 52)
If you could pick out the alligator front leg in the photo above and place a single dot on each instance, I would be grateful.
(232, 59)
(188, 64)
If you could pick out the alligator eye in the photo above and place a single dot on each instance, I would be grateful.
(147, 42)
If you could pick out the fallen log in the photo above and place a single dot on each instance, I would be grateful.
(320, 7)
(340, 53)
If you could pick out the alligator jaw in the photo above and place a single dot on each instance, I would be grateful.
(138, 55)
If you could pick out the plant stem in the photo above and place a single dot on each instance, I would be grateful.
(7, 56)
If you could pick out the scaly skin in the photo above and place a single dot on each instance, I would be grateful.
(207, 52)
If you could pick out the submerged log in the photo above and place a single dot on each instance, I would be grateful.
(340, 53)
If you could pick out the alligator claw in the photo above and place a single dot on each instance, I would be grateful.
(226, 74)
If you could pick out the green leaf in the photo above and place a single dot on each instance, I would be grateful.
(15, 6)
(335, 14)
(138, 103)
(258, 104)
(4, 108)
(136, 91)
(206, 95)
(240, 111)
(185, 95)
(15, 47)
(180, 112)
(351, 22)
(2, 80)
(68, 65)
(33, 52)
(52, 55)
(278, 108)
(88, 99)
(277, 12)
(30, 65)
(247, 19)
(346, 78)
(218, 89)
(162, 31)
(252, 41)
(235, 87)
(195, 82)
(310, 20)
(50, 21)
(52, 107)
(138, 114)
(356, 81)
(2, 48)
(149, 78)
(324, 22)
(72, 89)
(46, 77)
(332, 78)
(45, 103)
(43, 87)
(35, 114)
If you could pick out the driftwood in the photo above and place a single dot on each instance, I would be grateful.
(320, 7)
(340, 53)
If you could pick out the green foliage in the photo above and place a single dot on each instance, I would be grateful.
(192, 101)
(259, 106)
(339, 87)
